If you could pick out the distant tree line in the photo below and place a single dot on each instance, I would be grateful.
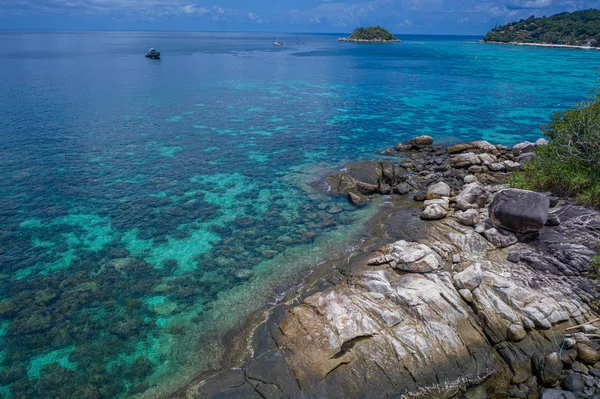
(576, 28)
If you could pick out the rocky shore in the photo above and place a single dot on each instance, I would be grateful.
(546, 45)
(349, 39)
(464, 288)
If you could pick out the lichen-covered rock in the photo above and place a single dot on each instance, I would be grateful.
(473, 196)
(438, 190)
(520, 211)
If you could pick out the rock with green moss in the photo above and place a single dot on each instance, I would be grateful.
(373, 34)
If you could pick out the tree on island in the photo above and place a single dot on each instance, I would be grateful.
(576, 28)
(372, 34)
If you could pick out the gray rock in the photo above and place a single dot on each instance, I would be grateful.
(487, 159)
(385, 189)
(473, 196)
(496, 167)
(541, 142)
(357, 200)
(520, 211)
(402, 147)
(456, 258)
(470, 217)
(479, 146)
(438, 190)
(516, 333)
(526, 157)
(522, 148)
(587, 354)
(466, 295)
(588, 328)
(514, 257)
(500, 238)
(469, 279)
(409, 257)
(557, 394)
(548, 368)
(421, 141)
(402, 189)
(443, 202)
(420, 195)
(553, 220)
(511, 165)
(470, 179)
(475, 169)
(434, 212)
(465, 160)
(569, 343)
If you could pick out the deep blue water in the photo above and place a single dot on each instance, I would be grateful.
(147, 206)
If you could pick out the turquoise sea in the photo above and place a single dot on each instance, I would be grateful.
(148, 206)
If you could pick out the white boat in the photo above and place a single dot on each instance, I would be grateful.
(279, 44)
(152, 53)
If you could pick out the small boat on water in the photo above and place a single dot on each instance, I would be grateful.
(278, 44)
(152, 53)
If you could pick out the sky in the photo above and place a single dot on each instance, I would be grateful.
(473, 17)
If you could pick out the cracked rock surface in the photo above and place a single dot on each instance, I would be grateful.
(405, 320)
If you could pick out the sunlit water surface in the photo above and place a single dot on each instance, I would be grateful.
(148, 206)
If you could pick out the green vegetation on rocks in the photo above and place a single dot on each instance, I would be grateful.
(375, 34)
(570, 164)
(580, 28)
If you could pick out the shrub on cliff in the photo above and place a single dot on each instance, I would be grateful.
(570, 164)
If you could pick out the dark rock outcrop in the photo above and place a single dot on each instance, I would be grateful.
(520, 211)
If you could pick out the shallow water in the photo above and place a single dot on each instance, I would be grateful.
(148, 206)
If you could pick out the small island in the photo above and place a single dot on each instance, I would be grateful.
(580, 29)
(373, 34)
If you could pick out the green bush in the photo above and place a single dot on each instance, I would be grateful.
(570, 164)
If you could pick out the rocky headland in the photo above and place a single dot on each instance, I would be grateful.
(462, 288)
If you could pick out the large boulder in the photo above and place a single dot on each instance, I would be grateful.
(438, 190)
(479, 147)
(421, 141)
(408, 257)
(473, 196)
(520, 211)
(465, 160)
(434, 212)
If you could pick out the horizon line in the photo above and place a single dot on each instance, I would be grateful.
(217, 31)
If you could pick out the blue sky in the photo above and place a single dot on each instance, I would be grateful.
(399, 16)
